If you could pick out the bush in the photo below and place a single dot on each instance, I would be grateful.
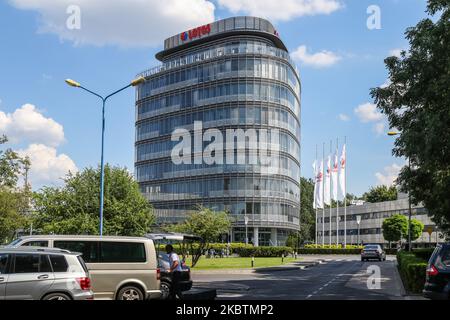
(333, 246)
(328, 251)
(412, 270)
(263, 251)
(424, 253)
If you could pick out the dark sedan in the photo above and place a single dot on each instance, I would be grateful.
(437, 285)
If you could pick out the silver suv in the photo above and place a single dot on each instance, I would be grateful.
(43, 274)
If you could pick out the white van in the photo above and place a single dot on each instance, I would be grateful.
(122, 268)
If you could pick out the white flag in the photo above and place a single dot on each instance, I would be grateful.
(319, 189)
(334, 176)
(315, 183)
(327, 190)
(342, 173)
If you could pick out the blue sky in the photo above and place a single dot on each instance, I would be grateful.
(339, 59)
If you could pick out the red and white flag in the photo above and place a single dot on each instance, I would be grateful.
(334, 176)
(343, 161)
(315, 183)
(319, 189)
(327, 186)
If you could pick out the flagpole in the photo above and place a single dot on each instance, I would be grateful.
(315, 182)
(337, 201)
(323, 197)
(329, 185)
(345, 197)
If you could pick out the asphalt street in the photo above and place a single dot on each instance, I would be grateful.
(341, 277)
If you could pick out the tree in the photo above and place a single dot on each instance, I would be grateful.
(205, 223)
(417, 105)
(74, 208)
(307, 213)
(13, 200)
(416, 229)
(380, 194)
(395, 227)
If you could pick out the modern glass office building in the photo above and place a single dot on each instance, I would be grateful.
(232, 74)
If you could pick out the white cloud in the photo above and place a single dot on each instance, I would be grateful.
(389, 175)
(27, 124)
(127, 23)
(368, 112)
(282, 9)
(396, 53)
(343, 117)
(47, 167)
(320, 59)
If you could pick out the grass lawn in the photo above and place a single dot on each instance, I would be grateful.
(237, 263)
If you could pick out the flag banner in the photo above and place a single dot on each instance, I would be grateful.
(327, 186)
(319, 181)
(334, 176)
(342, 172)
(315, 183)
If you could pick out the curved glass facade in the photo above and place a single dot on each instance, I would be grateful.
(229, 82)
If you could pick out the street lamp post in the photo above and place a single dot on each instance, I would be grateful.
(393, 133)
(75, 84)
(246, 231)
(358, 221)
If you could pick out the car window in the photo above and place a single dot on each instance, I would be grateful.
(3, 262)
(370, 247)
(122, 252)
(443, 259)
(15, 242)
(35, 244)
(31, 263)
(59, 263)
(83, 265)
(88, 249)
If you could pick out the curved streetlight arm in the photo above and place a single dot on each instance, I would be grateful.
(91, 92)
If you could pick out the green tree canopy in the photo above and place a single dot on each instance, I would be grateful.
(307, 213)
(74, 208)
(416, 229)
(417, 105)
(395, 227)
(206, 223)
(14, 202)
(380, 194)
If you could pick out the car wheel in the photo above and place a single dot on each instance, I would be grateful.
(166, 289)
(130, 293)
(363, 259)
(56, 296)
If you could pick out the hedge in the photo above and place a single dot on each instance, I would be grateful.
(263, 251)
(328, 251)
(424, 253)
(412, 270)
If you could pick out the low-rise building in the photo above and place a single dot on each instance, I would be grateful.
(372, 216)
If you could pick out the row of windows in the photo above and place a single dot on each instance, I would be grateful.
(283, 142)
(255, 211)
(247, 67)
(376, 215)
(166, 170)
(225, 91)
(222, 187)
(230, 48)
(353, 232)
(226, 115)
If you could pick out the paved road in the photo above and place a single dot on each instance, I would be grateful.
(344, 277)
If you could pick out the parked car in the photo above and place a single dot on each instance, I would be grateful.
(184, 281)
(184, 277)
(122, 268)
(373, 251)
(437, 284)
(43, 274)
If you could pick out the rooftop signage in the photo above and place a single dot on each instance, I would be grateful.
(195, 33)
